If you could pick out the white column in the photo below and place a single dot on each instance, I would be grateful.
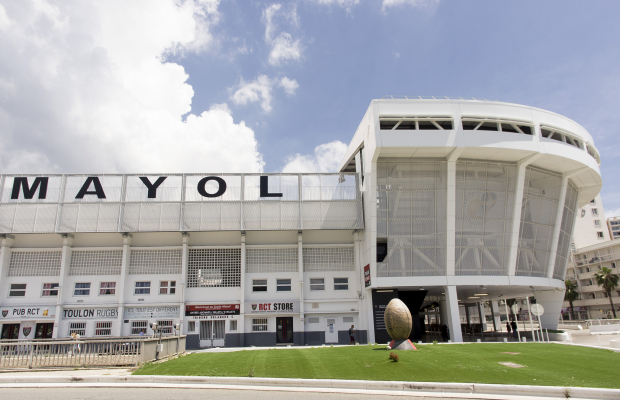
(300, 261)
(241, 321)
(451, 211)
(454, 319)
(556, 229)
(482, 313)
(5, 261)
(551, 300)
(65, 292)
(120, 287)
(360, 284)
(497, 321)
(184, 257)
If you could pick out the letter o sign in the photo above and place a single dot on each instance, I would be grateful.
(220, 191)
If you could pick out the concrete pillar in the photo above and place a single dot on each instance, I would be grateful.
(451, 210)
(443, 312)
(551, 300)
(241, 321)
(65, 292)
(454, 319)
(5, 261)
(300, 260)
(497, 321)
(184, 257)
(120, 287)
(555, 239)
(483, 320)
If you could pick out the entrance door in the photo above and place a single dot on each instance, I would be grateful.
(284, 330)
(10, 331)
(212, 333)
(331, 334)
(44, 331)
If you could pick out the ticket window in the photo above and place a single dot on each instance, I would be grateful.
(10, 331)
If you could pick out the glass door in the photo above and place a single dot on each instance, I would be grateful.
(10, 331)
(284, 330)
(43, 331)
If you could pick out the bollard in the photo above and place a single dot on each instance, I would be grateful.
(524, 339)
(449, 340)
(505, 340)
(478, 340)
(419, 342)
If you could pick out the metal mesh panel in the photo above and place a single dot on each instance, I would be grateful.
(566, 229)
(28, 218)
(214, 268)
(411, 211)
(541, 195)
(96, 262)
(151, 217)
(271, 260)
(89, 217)
(484, 199)
(155, 261)
(35, 263)
(328, 259)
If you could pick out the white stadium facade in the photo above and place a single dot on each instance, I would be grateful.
(444, 203)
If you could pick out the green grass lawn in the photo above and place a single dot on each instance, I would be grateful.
(545, 364)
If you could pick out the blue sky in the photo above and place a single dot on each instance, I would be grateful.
(83, 87)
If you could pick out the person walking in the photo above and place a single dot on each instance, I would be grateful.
(508, 327)
(352, 330)
(513, 324)
(444, 332)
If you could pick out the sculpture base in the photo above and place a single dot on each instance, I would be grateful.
(402, 345)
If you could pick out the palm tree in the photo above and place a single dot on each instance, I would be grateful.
(571, 294)
(608, 281)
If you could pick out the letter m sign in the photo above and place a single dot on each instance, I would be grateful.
(29, 191)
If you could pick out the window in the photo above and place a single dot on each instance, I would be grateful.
(167, 287)
(597, 222)
(313, 320)
(103, 328)
(347, 319)
(107, 288)
(138, 326)
(233, 325)
(283, 285)
(81, 289)
(593, 201)
(317, 284)
(599, 235)
(381, 251)
(259, 325)
(142, 288)
(259, 285)
(165, 327)
(595, 212)
(341, 283)
(191, 326)
(79, 328)
(50, 289)
(17, 290)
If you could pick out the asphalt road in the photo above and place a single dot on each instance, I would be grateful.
(173, 394)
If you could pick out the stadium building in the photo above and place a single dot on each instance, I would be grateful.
(443, 203)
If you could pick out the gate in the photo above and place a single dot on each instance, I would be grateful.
(212, 333)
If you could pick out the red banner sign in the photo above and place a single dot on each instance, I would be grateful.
(212, 309)
(367, 275)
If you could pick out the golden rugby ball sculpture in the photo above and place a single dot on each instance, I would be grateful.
(398, 323)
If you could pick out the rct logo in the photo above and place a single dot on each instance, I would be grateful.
(5, 313)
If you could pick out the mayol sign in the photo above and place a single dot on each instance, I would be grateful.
(92, 186)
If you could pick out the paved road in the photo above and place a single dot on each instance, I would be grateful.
(173, 394)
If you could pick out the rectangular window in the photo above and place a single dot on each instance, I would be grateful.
(283, 285)
(341, 283)
(259, 325)
(50, 289)
(599, 235)
(597, 222)
(191, 326)
(167, 287)
(138, 327)
(233, 325)
(595, 212)
(103, 328)
(17, 290)
(347, 319)
(317, 284)
(142, 288)
(165, 327)
(259, 285)
(81, 289)
(107, 288)
(79, 328)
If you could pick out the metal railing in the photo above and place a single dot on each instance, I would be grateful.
(60, 353)
(432, 98)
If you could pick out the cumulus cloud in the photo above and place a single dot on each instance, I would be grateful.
(283, 46)
(346, 4)
(416, 3)
(326, 158)
(85, 86)
(261, 89)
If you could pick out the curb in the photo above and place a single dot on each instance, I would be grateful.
(432, 389)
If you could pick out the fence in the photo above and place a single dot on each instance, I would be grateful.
(87, 353)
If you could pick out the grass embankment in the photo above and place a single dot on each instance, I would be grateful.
(545, 364)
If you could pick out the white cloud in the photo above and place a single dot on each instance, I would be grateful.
(415, 3)
(326, 158)
(260, 90)
(283, 47)
(85, 87)
(346, 4)
(612, 213)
